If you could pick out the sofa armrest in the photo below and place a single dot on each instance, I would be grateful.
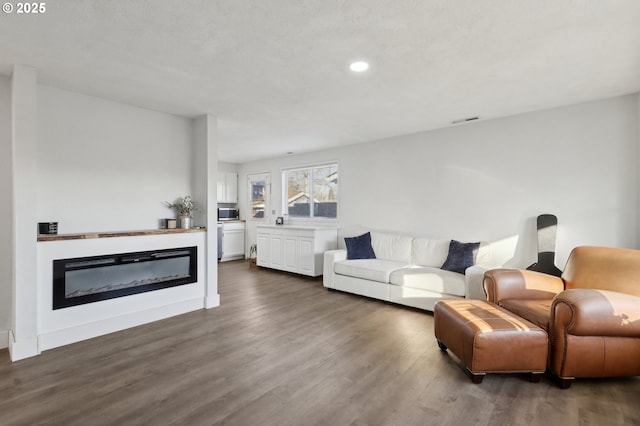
(330, 258)
(591, 312)
(500, 284)
(473, 276)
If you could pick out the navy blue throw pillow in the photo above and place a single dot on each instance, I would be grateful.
(461, 256)
(360, 247)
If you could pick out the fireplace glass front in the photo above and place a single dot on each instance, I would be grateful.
(90, 279)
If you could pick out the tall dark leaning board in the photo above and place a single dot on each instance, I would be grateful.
(547, 225)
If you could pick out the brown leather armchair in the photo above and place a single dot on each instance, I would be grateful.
(591, 313)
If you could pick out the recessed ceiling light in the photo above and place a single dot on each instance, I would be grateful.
(359, 66)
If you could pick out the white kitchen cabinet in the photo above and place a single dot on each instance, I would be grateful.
(227, 187)
(306, 259)
(290, 253)
(232, 241)
(274, 251)
(298, 249)
(263, 256)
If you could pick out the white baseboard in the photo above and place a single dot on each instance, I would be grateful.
(74, 334)
(233, 257)
(25, 348)
(212, 301)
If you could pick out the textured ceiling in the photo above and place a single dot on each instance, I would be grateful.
(275, 72)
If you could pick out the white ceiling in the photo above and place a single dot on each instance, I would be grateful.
(275, 72)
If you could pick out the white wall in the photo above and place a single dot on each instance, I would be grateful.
(490, 179)
(106, 166)
(6, 209)
(227, 167)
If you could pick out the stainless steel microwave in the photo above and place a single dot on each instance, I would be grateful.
(227, 213)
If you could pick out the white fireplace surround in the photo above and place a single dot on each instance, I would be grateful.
(55, 137)
(63, 326)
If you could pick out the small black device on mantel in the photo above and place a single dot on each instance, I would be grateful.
(47, 228)
(279, 220)
(228, 213)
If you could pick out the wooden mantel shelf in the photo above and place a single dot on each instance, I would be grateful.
(90, 235)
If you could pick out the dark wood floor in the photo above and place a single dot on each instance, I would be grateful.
(281, 350)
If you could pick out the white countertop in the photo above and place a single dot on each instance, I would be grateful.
(302, 227)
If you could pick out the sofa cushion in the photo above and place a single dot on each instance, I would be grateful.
(535, 311)
(431, 279)
(368, 269)
(460, 256)
(429, 252)
(359, 247)
(389, 246)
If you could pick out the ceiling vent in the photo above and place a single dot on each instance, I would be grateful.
(464, 120)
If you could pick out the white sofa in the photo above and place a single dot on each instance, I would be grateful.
(406, 271)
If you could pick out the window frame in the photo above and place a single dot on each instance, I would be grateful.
(285, 191)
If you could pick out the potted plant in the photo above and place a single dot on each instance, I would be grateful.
(253, 253)
(184, 207)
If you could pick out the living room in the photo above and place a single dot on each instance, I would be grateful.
(105, 161)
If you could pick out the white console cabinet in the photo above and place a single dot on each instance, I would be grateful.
(298, 249)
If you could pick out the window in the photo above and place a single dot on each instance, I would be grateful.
(259, 196)
(311, 192)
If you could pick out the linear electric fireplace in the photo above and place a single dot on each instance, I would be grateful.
(90, 279)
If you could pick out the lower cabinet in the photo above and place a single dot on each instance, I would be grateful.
(232, 241)
(298, 249)
(263, 242)
(306, 258)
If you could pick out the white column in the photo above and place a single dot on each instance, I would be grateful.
(638, 182)
(205, 186)
(23, 339)
(6, 212)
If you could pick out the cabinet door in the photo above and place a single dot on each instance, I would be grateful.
(227, 187)
(233, 243)
(306, 256)
(291, 253)
(275, 249)
(231, 191)
(222, 187)
(263, 257)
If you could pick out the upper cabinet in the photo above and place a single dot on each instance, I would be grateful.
(227, 187)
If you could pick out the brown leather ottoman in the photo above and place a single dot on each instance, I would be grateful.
(490, 339)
